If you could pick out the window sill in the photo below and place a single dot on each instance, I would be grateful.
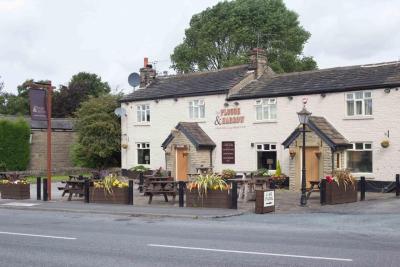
(142, 124)
(265, 121)
(198, 120)
(358, 118)
(367, 175)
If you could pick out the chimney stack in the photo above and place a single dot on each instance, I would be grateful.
(258, 61)
(147, 73)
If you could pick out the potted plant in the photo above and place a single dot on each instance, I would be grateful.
(228, 174)
(17, 189)
(208, 191)
(340, 188)
(109, 190)
(385, 143)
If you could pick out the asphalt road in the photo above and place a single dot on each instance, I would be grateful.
(33, 238)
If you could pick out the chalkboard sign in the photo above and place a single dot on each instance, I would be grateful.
(228, 152)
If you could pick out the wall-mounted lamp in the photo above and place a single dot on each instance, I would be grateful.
(290, 97)
(156, 100)
(387, 90)
(236, 103)
(252, 144)
(323, 95)
(176, 99)
(226, 104)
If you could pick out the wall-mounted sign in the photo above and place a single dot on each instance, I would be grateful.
(269, 199)
(228, 152)
(38, 107)
(229, 116)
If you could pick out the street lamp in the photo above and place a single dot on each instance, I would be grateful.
(304, 115)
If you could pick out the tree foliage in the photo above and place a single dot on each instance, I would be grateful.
(99, 133)
(82, 85)
(222, 36)
(14, 148)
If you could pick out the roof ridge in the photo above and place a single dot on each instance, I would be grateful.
(195, 73)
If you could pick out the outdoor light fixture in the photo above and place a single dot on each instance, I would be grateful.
(387, 90)
(323, 95)
(156, 100)
(304, 115)
(290, 97)
(226, 104)
(236, 103)
(252, 144)
(176, 99)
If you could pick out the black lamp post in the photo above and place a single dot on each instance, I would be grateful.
(304, 114)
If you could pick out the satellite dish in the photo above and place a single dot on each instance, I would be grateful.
(134, 79)
(120, 112)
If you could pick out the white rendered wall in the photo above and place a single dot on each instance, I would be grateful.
(166, 114)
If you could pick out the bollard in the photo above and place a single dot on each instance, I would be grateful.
(141, 182)
(181, 192)
(45, 196)
(130, 192)
(38, 188)
(234, 195)
(362, 188)
(397, 185)
(322, 192)
(87, 190)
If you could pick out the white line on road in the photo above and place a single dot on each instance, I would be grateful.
(251, 252)
(44, 236)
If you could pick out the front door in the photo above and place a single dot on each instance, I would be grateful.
(312, 164)
(181, 164)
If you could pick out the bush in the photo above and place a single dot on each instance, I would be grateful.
(278, 171)
(14, 145)
(228, 174)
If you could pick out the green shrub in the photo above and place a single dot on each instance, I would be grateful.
(14, 144)
(228, 174)
(278, 171)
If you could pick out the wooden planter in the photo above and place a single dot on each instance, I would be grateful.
(15, 191)
(119, 196)
(213, 199)
(338, 194)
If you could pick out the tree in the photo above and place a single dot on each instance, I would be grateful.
(99, 133)
(222, 36)
(12, 104)
(82, 85)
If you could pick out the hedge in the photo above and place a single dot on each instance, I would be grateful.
(14, 144)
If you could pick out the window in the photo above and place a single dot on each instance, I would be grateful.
(143, 113)
(359, 104)
(196, 109)
(266, 156)
(143, 153)
(359, 158)
(266, 109)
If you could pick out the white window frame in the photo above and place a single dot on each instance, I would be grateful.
(266, 106)
(143, 113)
(355, 98)
(197, 109)
(264, 148)
(142, 146)
(366, 146)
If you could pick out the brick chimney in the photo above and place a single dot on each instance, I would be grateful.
(147, 73)
(258, 61)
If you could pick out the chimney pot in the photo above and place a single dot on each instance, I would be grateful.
(146, 61)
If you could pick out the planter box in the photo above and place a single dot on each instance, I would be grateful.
(15, 191)
(213, 199)
(337, 194)
(119, 196)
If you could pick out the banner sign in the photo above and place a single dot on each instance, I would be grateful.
(38, 106)
(228, 152)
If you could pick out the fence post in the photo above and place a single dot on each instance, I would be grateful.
(45, 196)
(322, 192)
(181, 192)
(397, 185)
(234, 195)
(87, 190)
(362, 188)
(38, 188)
(141, 182)
(130, 192)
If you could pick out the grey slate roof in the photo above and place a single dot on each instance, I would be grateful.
(194, 133)
(373, 76)
(194, 84)
(324, 130)
(64, 124)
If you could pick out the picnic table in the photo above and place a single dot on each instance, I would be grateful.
(312, 188)
(74, 186)
(154, 185)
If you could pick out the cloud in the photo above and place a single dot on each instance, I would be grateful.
(11, 5)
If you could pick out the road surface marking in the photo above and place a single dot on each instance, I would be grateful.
(44, 236)
(18, 204)
(251, 252)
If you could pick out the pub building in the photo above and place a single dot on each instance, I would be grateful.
(245, 118)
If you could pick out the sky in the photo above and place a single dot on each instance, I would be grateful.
(55, 39)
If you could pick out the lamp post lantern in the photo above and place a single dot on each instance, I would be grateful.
(304, 115)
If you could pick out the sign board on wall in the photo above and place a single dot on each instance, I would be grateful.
(228, 152)
(269, 199)
(229, 116)
(38, 106)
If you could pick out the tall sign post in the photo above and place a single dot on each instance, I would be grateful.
(40, 110)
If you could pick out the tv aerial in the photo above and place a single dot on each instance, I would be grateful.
(134, 79)
(119, 112)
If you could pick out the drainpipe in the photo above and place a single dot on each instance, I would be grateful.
(333, 159)
(211, 158)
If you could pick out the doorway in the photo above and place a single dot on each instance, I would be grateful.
(312, 165)
(181, 164)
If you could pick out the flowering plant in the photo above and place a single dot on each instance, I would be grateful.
(203, 183)
(228, 174)
(109, 182)
(20, 181)
(329, 179)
